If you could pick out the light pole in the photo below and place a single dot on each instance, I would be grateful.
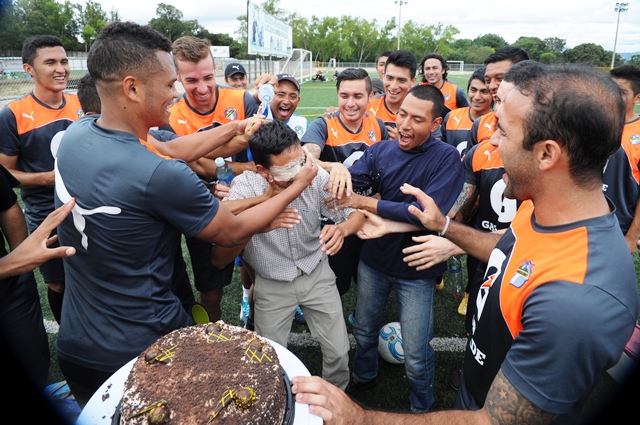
(400, 3)
(620, 7)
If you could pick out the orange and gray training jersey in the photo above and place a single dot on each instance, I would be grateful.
(550, 315)
(339, 144)
(378, 108)
(456, 129)
(621, 178)
(32, 131)
(483, 168)
(231, 105)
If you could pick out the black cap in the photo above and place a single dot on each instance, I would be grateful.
(377, 86)
(288, 77)
(234, 68)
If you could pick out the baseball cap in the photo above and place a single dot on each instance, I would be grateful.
(377, 86)
(234, 68)
(288, 77)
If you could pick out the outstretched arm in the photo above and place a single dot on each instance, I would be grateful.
(35, 250)
(504, 405)
(474, 242)
(210, 142)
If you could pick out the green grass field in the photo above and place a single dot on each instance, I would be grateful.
(392, 391)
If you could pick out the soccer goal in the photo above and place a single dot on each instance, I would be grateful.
(456, 66)
(299, 64)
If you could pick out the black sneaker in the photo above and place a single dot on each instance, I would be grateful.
(354, 387)
(455, 379)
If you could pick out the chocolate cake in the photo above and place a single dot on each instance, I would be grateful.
(206, 374)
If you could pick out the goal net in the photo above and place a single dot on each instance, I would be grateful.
(456, 66)
(299, 64)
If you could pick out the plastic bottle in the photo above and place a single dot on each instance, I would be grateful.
(455, 276)
(223, 171)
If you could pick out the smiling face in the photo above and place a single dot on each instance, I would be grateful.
(504, 89)
(286, 100)
(479, 98)
(382, 61)
(630, 100)
(397, 83)
(494, 74)
(158, 92)
(415, 122)
(353, 99)
(518, 162)
(237, 80)
(433, 72)
(50, 70)
(199, 82)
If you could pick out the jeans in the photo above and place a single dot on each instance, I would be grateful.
(415, 308)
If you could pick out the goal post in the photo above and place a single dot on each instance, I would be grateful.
(299, 64)
(456, 66)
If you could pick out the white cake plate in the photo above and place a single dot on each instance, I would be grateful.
(102, 405)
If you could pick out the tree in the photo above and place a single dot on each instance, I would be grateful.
(491, 40)
(11, 29)
(423, 39)
(635, 60)
(587, 53)
(168, 21)
(91, 19)
(533, 46)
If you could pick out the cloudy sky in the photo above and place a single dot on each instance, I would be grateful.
(577, 22)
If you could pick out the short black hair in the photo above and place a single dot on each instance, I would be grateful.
(432, 94)
(352, 74)
(514, 54)
(478, 74)
(630, 73)
(578, 107)
(442, 60)
(124, 48)
(32, 44)
(403, 59)
(383, 54)
(88, 95)
(271, 139)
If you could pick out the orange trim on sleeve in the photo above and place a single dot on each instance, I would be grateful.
(532, 265)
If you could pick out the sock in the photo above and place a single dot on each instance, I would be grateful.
(55, 303)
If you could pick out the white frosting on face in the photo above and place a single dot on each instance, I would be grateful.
(287, 172)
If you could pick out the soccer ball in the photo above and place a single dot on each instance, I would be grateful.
(390, 343)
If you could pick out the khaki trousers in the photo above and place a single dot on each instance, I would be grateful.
(275, 303)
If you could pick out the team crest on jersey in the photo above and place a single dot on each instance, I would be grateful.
(634, 139)
(447, 96)
(372, 136)
(231, 114)
(522, 275)
(299, 130)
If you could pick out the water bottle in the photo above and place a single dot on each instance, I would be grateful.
(455, 276)
(223, 172)
(266, 95)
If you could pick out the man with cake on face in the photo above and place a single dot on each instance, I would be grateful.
(291, 264)
(132, 206)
